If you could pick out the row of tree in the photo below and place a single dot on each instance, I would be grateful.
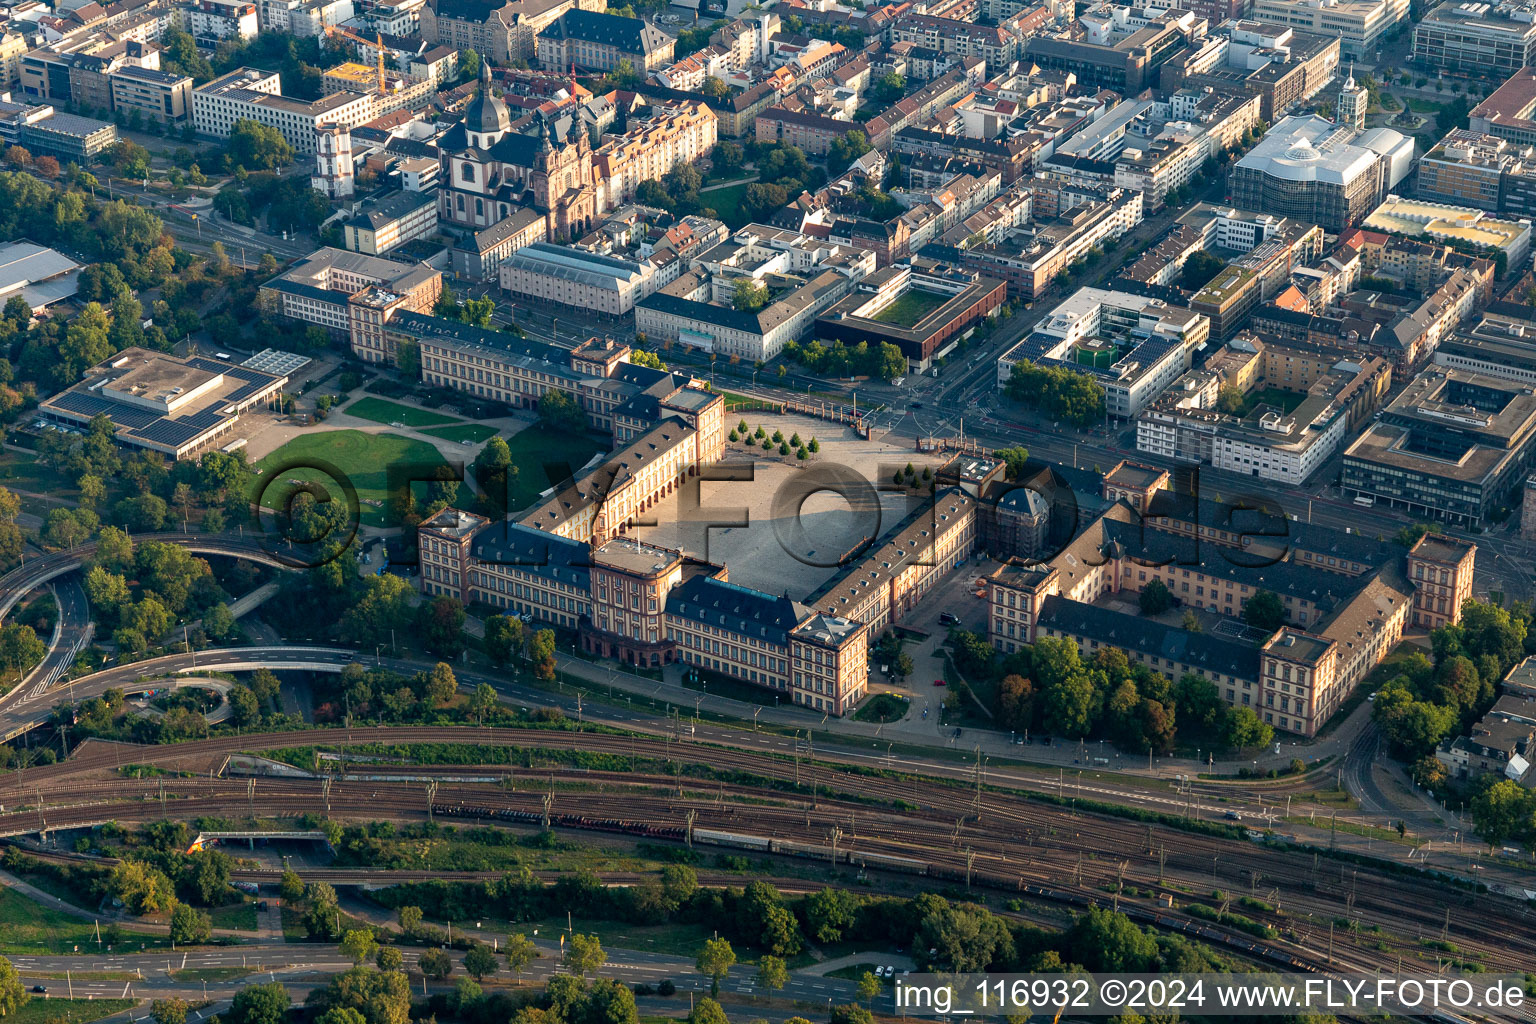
(1058, 391)
(884, 361)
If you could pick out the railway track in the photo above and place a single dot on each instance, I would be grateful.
(1016, 842)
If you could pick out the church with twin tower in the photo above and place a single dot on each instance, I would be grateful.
(488, 170)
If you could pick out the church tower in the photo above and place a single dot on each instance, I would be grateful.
(333, 161)
(1353, 99)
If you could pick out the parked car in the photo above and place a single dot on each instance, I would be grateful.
(939, 682)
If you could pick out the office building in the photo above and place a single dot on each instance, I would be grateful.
(560, 275)
(1319, 171)
(1477, 38)
(1453, 447)
(1131, 345)
(1506, 113)
(503, 30)
(252, 95)
(597, 41)
(159, 95)
(1359, 25)
(179, 407)
(383, 224)
(317, 288)
(1452, 225)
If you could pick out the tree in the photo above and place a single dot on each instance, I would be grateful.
(260, 1004)
(389, 958)
(483, 701)
(1504, 811)
(583, 955)
(1244, 729)
(218, 621)
(850, 1013)
(1068, 706)
(707, 1011)
(13, 994)
(190, 925)
(1264, 610)
(1016, 701)
(503, 636)
(750, 295)
(829, 913)
(772, 973)
(1199, 269)
(869, 986)
(714, 961)
(410, 920)
(469, 65)
(441, 622)
(541, 653)
(1155, 598)
(435, 964)
(1229, 399)
(520, 952)
(169, 1011)
(1107, 941)
(20, 648)
(440, 684)
(358, 944)
(255, 146)
(1014, 460)
(479, 960)
(143, 889)
(290, 887)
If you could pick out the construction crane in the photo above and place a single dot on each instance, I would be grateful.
(337, 30)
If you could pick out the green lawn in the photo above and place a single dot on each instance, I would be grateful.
(381, 410)
(911, 307)
(28, 927)
(51, 1009)
(1285, 400)
(475, 433)
(726, 202)
(537, 446)
(239, 916)
(882, 707)
(853, 972)
(364, 459)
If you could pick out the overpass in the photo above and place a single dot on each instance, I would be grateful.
(18, 718)
(35, 572)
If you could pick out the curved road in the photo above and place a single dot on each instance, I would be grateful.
(36, 571)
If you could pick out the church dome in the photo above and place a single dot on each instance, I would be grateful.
(486, 114)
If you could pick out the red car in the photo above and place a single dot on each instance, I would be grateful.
(938, 682)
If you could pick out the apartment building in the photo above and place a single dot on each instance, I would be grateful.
(993, 44)
(674, 134)
(1281, 66)
(1030, 260)
(210, 22)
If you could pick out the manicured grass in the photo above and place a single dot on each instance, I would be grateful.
(239, 916)
(911, 307)
(381, 410)
(475, 433)
(364, 459)
(1286, 400)
(679, 939)
(1420, 106)
(29, 927)
(882, 707)
(536, 447)
(54, 1010)
(726, 202)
